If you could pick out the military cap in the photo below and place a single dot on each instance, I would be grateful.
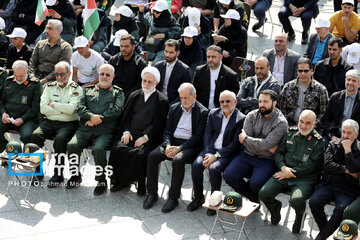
(232, 201)
(348, 230)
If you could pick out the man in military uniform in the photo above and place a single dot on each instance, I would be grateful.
(99, 110)
(299, 158)
(20, 103)
(58, 103)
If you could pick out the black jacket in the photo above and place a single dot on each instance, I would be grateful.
(13, 55)
(313, 42)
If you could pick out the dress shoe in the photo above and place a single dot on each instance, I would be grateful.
(149, 201)
(4, 163)
(170, 205)
(305, 38)
(210, 212)
(257, 26)
(73, 182)
(195, 204)
(291, 36)
(55, 181)
(100, 188)
(276, 216)
(117, 187)
(297, 224)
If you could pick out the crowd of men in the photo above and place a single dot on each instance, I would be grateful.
(292, 127)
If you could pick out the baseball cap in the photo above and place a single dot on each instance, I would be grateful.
(232, 14)
(2, 23)
(348, 2)
(190, 31)
(322, 22)
(215, 198)
(348, 229)
(227, 2)
(354, 53)
(50, 2)
(81, 41)
(125, 11)
(17, 32)
(232, 201)
(118, 35)
(194, 15)
(161, 5)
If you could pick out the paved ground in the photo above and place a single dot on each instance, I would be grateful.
(77, 214)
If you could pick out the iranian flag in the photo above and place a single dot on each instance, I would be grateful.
(91, 18)
(41, 12)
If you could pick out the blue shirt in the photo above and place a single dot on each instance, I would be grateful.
(348, 105)
(319, 50)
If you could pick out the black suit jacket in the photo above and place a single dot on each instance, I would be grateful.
(230, 144)
(198, 121)
(313, 42)
(179, 75)
(227, 80)
(335, 112)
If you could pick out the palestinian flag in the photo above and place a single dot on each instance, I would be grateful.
(41, 12)
(91, 18)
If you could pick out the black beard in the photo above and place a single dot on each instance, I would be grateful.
(266, 112)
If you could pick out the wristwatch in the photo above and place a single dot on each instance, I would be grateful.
(217, 155)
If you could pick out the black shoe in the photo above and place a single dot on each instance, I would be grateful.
(100, 188)
(297, 224)
(257, 26)
(291, 36)
(55, 181)
(149, 201)
(141, 189)
(195, 204)
(210, 212)
(4, 163)
(73, 182)
(305, 37)
(276, 216)
(170, 205)
(118, 187)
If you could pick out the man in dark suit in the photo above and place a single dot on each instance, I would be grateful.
(282, 60)
(214, 77)
(182, 142)
(173, 71)
(221, 144)
(343, 105)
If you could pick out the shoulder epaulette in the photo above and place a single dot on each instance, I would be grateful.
(293, 128)
(318, 136)
(54, 83)
(117, 87)
(10, 77)
(34, 79)
(74, 84)
(90, 86)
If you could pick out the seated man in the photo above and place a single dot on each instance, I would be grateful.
(303, 93)
(140, 131)
(262, 132)
(182, 142)
(340, 180)
(221, 144)
(99, 110)
(20, 103)
(345, 24)
(58, 104)
(299, 159)
(248, 96)
(260, 7)
(331, 71)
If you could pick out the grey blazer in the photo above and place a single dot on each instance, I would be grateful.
(310, 51)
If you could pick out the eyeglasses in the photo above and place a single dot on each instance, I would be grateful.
(303, 71)
(106, 74)
(157, 12)
(225, 101)
(60, 74)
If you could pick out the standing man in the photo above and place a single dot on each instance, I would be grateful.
(58, 104)
(262, 132)
(99, 110)
(18, 50)
(299, 159)
(214, 77)
(173, 71)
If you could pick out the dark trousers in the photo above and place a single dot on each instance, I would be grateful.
(62, 131)
(260, 9)
(258, 170)
(215, 171)
(353, 211)
(306, 16)
(322, 196)
(178, 169)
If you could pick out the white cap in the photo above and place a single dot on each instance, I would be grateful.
(232, 14)
(194, 15)
(118, 35)
(153, 70)
(161, 5)
(348, 1)
(17, 32)
(322, 22)
(50, 2)
(125, 11)
(354, 53)
(2, 23)
(227, 2)
(81, 42)
(190, 31)
(215, 198)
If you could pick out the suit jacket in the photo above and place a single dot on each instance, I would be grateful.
(198, 121)
(227, 80)
(335, 111)
(311, 49)
(179, 75)
(290, 68)
(231, 144)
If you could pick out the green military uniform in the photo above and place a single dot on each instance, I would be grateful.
(353, 210)
(20, 101)
(61, 120)
(3, 76)
(305, 155)
(108, 103)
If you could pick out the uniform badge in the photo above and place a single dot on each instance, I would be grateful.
(24, 99)
(75, 94)
(55, 95)
(111, 105)
(305, 158)
(289, 142)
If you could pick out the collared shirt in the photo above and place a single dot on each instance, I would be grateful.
(320, 49)
(258, 85)
(214, 74)
(147, 95)
(301, 99)
(184, 128)
(348, 105)
(168, 71)
(278, 70)
(219, 141)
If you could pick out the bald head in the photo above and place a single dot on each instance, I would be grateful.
(262, 68)
(307, 121)
(281, 43)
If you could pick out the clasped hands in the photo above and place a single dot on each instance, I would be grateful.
(94, 120)
(171, 151)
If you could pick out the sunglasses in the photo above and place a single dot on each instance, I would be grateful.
(106, 74)
(303, 71)
(225, 101)
(157, 12)
(60, 74)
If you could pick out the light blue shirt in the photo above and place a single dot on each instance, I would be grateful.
(184, 128)
(319, 50)
(348, 105)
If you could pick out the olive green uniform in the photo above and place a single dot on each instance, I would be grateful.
(108, 103)
(353, 210)
(61, 120)
(3, 75)
(305, 155)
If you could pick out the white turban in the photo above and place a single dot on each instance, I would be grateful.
(152, 70)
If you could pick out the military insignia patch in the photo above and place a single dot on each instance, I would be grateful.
(75, 94)
(24, 99)
(305, 158)
(111, 105)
